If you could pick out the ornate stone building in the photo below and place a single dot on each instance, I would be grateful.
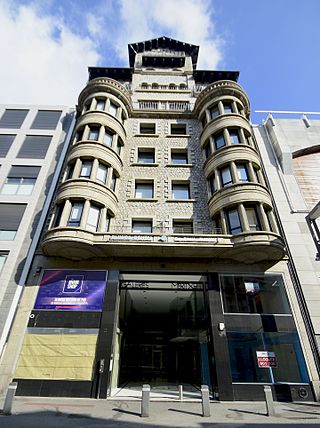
(162, 261)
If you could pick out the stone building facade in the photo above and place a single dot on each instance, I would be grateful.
(162, 260)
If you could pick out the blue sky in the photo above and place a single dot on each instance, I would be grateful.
(46, 45)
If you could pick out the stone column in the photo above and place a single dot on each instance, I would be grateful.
(243, 218)
(220, 107)
(94, 169)
(234, 172)
(65, 213)
(263, 217)
(85, 213)
(226, 137)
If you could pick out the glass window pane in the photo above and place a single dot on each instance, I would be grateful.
(102, 173)
(227, 107)
(179, 158)
(145, 156)
(234, 221)
(93, 218)
(7, 235)
(254, 294)
(26, 186)
(142, 226)
(86, 169)
(285, 349)
(108, 138)
(75, 215)
(212, 184)
(94, 134)
(3, 258)
(234, 137)
(180, 191)
(214, 112)
(207, 149)
(182, 226)
(219, 141)
(253, 218)
(113, 182)
(226, 176)
(144, 190)
(11, 186)
(242, 172)
(113, 109)
(101, 104)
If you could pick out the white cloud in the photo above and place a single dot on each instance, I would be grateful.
(43, 62)
(187, 20)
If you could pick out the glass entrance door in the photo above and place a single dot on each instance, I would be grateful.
(162, 325)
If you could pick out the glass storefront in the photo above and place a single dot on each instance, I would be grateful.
(263, 343)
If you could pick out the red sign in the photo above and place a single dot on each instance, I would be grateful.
(266, 359)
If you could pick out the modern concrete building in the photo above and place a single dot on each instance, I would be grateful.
(162, 260)
(33, 139)
(290, 149)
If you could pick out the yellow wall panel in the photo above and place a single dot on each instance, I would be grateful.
(57, 356)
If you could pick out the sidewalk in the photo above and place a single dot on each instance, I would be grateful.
(38, 412)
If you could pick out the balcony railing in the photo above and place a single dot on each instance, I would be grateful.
(164, 105)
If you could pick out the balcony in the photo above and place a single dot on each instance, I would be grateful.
(80, 244)
(179, 106)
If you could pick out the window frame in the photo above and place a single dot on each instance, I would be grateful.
(238, 226)
(174, 156)
(144, 186)
(145, 222)
(178, 187)
(145, 150)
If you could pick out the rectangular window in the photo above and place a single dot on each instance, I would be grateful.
(75, 214)
(142, 226)
(5, 144)
(34, 147)
(147, 128)
(113, 182)
(179, 157)
(244, 348)
(20, 180)
(13, 118)
(94, 134)
(108, 137)
(234, 222)
(46, 119)
(180, 191)
(211, 182)
(144, 190)
(101, 104)
(113, 109)
(86, 168)
(93, 218)
(254, 294)
(182, 226)
(219, 141)
(102, 173)
(253, 218)
(214, 112)
(227, 107)
(242, 172)
(70, 169)
(57, 215)
(119, 146)
(178, 129)
(226, 178)
(234, 137)
(3, 258)
(11, 216)
(146, 155)
(207, 149)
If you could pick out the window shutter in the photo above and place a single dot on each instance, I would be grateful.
(13, 118)
(5, 144)
(46, 119)
(11, 215)
(34, 147)
(24, 171)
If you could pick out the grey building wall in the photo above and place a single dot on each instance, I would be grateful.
(52, 123)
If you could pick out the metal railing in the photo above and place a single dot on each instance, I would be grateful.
(164, 105)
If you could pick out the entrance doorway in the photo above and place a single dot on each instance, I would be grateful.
(163, 328)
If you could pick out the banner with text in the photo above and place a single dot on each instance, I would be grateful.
(71, 290)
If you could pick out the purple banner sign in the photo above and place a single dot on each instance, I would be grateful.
(71, 290)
